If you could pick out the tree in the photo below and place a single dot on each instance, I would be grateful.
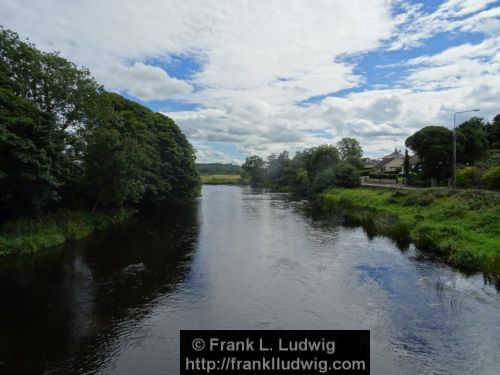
(137, 156)
(406, 165)
(54, 84)
(350, 150)
(472, 143)
(31, 162)
(319, 158)
(493, 133)
(434, 146)
(253, 170)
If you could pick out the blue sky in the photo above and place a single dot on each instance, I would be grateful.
(261, 77)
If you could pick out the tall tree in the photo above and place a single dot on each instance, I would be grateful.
(472, 143)
(406, 165)
(350, 150)
(434, 146)
(494, 133)
(31, 145)
(319, 158)
(253, 170)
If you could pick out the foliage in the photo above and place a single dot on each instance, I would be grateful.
(350, 150)
(253, 170)
(492, 177)
(465, 176)
(493, 157)
(471, 141)
(406, 165)
(26, 236)
(458, 226)
(65, 143)
(31, 158)
(218, 168)
(135, 155)
(434, 146)
(52, 83)
(308, 173)
(346, 175)
(493, 133)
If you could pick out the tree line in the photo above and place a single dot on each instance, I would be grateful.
(314, 169)
(478, 152)
(310, 171)
(66, 142)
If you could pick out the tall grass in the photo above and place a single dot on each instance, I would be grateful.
(221, 179)
(461, 227)
(26, 236)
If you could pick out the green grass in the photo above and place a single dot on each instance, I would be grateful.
(461, 227)
(26, 236)
(221, 179)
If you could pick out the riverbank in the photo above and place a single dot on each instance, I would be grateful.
(220, 179)
(27, 236)
(460, 227)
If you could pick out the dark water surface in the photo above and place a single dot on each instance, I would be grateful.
(239, 259)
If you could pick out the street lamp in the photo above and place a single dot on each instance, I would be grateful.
(455, 145)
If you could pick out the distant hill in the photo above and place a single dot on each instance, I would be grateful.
(218, 168)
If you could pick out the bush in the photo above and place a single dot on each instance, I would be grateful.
(465, 176)
(346, 175)
(492, 177)
(494, 158)
(323, 180)
(383, 175)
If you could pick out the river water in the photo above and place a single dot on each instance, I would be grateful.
(239, 258)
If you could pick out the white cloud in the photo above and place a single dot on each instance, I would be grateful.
(259, 59)
(145, 82)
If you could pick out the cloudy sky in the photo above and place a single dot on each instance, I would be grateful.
(261, 76)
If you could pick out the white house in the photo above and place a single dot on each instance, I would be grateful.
(392, 162)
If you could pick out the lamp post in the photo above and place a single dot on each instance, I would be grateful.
(454, 176)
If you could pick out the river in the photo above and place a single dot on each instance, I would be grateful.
(239, 258)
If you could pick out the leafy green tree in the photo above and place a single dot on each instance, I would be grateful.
(493, 133)
(319, 158)
(253, 170)
(351, 151)
(347, 175)
(52, 83)
(176, 176)
(135, 155)
(114, 170)
(492, 177)
(406, 165)
(434, 146)
(31, 163)
(472, 143)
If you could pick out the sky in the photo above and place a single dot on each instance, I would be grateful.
(243, 77)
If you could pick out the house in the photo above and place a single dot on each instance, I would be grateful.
(369, 164)
(391, 163)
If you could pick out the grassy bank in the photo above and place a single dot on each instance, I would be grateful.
(27, 236)
(220, 179)
(461, 227)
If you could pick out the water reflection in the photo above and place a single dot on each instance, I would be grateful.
(243, 259)
(62, 309)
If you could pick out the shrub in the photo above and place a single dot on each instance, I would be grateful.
(383, 175)
(492, 177)
(346, 175)
(323, 180)
(465, 176)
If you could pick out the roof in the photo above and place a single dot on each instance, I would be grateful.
(394, 154)
(386, 161)
(368, 163)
